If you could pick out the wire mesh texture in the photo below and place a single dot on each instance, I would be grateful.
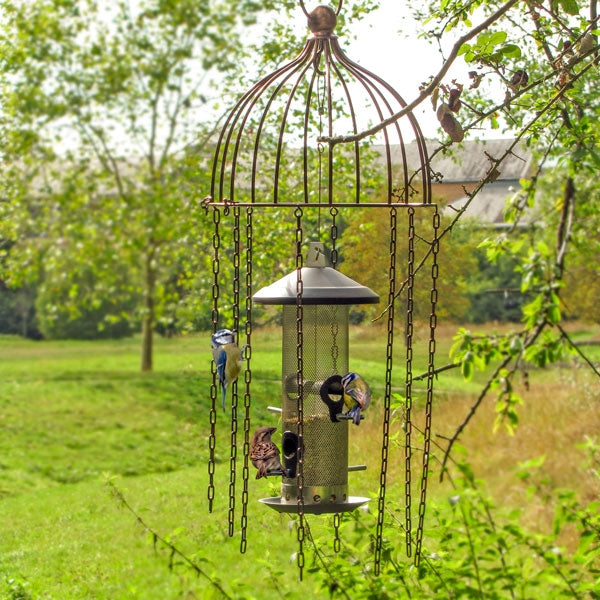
(275, 151)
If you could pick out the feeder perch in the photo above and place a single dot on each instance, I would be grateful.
(327, 295)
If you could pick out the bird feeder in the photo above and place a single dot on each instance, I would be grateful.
(326, 298)
(299, 146)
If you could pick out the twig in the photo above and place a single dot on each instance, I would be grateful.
(427, 91)
(437, 371)
(577, 349)
(319, 556)
(174, 551)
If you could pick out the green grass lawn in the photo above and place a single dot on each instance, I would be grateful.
(73, 414)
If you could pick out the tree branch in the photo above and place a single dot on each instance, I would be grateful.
(428, 90)
(174, 551)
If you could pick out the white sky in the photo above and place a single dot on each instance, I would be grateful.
(387, 44)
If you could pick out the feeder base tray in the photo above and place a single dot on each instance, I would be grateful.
(315, 509)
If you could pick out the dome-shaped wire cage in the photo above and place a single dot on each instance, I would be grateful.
(286, 121)
(322, 131)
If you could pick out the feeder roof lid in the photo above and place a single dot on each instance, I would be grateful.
(320, 285)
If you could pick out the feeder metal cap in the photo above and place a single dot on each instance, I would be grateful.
(320, 285)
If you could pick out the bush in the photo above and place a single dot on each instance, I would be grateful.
(17, 313)
(60, 317)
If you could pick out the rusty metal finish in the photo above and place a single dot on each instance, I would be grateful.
(300, 391)
(387, 400)
(410, 283)
(247, 382)
(274, 151)
(277, 124)
(435, 248)
(233, 446)
(216, 243)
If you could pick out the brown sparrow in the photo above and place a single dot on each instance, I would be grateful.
(264, 454)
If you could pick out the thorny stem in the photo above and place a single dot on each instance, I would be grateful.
(577, 349)
(174, 551)
(319, 556)
(423, 556)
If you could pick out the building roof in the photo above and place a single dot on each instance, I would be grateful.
(487, 206)
(469, 162)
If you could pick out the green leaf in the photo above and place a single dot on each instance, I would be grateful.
(554, 314)
(569, 6)
(511, 51)
(466, 368)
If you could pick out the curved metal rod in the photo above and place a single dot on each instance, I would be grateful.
(284, 121)
(305, 132)
(419, 138)
(291, 66)
(354, 128)
(309, 44)
(247, 101)
(303, 7)
(370, 88)
(228, 128)
(362, 76)
(337, 10)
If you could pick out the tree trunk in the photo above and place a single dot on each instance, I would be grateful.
(148, 316)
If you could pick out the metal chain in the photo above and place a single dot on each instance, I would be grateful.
(335, 328)
(234, 385)
(435, 247)
(334, 235)
(247, 381)
(408, 381)
(300, 385)
(337, 543)
(216, 243)
(388, 392)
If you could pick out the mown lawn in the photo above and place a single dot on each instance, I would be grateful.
(75, 414)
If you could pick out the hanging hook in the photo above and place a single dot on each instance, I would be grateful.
(304, 8)
(337, 10)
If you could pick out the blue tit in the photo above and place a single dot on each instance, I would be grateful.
(228, 359)
(357, 395)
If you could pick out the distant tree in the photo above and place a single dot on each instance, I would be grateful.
(108, 111)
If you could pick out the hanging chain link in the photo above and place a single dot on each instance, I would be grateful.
(216, 243)
(337, 542)
(409, 376)
(388, 392)
(247, 381)
(435, 248)
(234, 385)
(335, 328)
(300, 385)
(334, 235)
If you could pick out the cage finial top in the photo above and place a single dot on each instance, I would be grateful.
(321, 21)
(337, 10)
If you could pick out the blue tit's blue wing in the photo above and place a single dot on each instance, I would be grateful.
(220, 357)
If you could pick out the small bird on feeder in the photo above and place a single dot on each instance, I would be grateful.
(264, 454)
(357, 395)
(227, 357)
